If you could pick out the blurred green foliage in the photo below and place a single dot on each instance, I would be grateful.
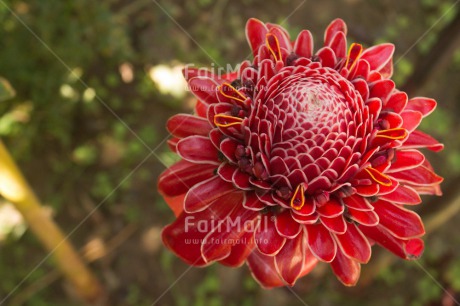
(63, 58)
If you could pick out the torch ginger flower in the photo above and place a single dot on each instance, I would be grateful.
(304, 156)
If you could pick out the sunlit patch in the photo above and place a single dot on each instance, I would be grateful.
(169, 80)
(126, 72)
(11, 221)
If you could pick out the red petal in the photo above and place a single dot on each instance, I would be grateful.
(369, 218)
(241, 180)
(332, 208)
(347, 270)
(336, 224)
(378, 56)
(375, 106)
(354, 245)
(411, 119)
(226, 170)
(268, 240)
(251, 202)
(309, 219)
(175, 203)
(397, 246)
(357, 202)
(286, 226)
(367, 190)
(282, 36)
(327, 57)
(320, 242)
(397, 102)
(414, 248)
(218, 242)
(182, 176)
(337, 25)
(198, 149)
(172, 144)
(203, 194)
(420, 176)
(403, 195)
(387, 70)
(290, 260)
(263, 270)
(240, 251)
(406, 159)
(309, 264)
(304, 44)
(185, 235)
(362, 87)
(204, 88)
(418, 139)
(256, 32)
(184, 125)
(402, 223)
(201, 109)
(338, 44)
(382, 89)
(424, 105)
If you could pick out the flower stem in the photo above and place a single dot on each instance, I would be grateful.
(15, 189)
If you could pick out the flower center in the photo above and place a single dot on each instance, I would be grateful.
(315, 102)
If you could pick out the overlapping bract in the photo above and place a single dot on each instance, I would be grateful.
(315, 153)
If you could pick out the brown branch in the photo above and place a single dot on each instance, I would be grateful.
(15, 189)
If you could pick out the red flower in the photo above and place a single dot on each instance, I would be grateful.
(299, 157)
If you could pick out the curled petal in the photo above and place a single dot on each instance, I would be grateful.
(405, 195)
(182, 176)
(335, 224)
(267, 239)
(256, 31)
(198, 149)
(354, 245)
(369, 218)
(419, 176)
(406, 249)
(423, 105)
(204, 88)
(378, 56)
(263, 270)
(219, 242)
(185, 235)
(406, 159)
(347, 270)
(338, 44)
(320, 242)
(304, 44)
(402, 223)
(337, 25)
(290, 260)
(203, 194)
(240, 251)
(286, 225)
(418, 139)
(184, 125)
(176, 203)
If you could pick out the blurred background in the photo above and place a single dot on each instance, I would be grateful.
(95, 82)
